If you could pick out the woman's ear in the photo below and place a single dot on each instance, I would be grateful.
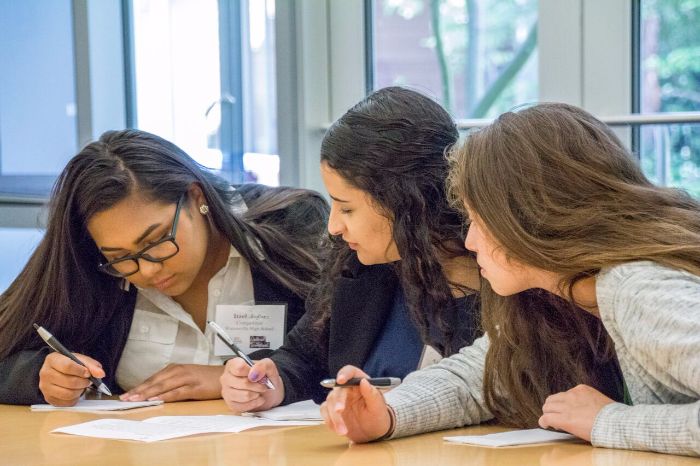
(197, 197)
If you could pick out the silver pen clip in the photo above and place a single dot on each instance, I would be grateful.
(220, 331)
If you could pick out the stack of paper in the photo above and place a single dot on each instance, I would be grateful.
(167, 427)
(300, 411)
(98, 405)
(515, 437)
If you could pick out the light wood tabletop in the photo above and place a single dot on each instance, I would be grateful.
(26, 439)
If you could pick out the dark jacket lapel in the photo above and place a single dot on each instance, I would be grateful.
(361, 303)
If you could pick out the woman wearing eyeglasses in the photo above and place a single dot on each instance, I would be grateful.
(142, 245)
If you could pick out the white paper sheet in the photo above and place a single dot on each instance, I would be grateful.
(97, 405)
(299, 411)
(167, 427)
(515, 437)
(125, 430)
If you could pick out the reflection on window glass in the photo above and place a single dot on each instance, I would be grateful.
(671, 155)
(477, 57)
(38, 110)
(260, 159)
(16, 245)
(179, 96)
(670, 82)
(176, 54)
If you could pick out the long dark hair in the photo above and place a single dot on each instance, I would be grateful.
(392, 145)
(60, 286)
(560, 192)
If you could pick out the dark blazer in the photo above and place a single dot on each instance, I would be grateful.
(19, 372)
(362, 301)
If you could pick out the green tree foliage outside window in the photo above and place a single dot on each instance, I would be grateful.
(670, 76)
(482, 49)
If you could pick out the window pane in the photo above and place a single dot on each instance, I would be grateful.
(670, 155)
(670, 82)
(176, 55)
(38, 122)
(260, 159)
(16, 245)
(477, 57)
(178, 76)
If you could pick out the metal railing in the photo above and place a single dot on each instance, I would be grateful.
(616, 120)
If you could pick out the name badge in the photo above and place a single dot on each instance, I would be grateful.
(251, 327)
(429, 357)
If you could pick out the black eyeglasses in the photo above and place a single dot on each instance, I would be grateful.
(160, 251)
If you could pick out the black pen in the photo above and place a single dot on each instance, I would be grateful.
(381, 382)
(223, 336)
(59, 348)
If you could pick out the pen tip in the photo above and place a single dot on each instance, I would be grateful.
(36, 326)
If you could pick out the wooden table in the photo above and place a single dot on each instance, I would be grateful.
(26, 439)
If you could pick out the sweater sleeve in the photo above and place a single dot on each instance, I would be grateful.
(302, 362)
(664, 428)
(445, 395)
(653, 315)
(19, 383)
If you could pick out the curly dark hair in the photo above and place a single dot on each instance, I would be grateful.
(392, 146)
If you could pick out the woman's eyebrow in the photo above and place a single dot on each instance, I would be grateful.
(138, 240)
(146, 233)
(336, 199)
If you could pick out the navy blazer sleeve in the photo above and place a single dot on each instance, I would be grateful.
(19, 372)
(19, 383)
(302, 361)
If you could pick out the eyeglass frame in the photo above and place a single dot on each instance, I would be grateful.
(103, 267)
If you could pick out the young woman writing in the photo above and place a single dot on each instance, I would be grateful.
(142, 244)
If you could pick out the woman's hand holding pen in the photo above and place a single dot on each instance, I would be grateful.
(62, 381)
(177, 382)
(241, 388)
(359, 413)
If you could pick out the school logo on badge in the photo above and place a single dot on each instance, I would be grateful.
(259, 342)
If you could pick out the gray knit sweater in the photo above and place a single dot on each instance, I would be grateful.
(652, 314)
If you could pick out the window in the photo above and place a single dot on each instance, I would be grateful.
(177, 75)
(478, 58)
(16, 245)
(669, 77)
(205, 79)
(200, 73)
(38, 105)
(260, 158)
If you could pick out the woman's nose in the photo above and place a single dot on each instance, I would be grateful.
(470, 240)
(148, 269)
(335, 225)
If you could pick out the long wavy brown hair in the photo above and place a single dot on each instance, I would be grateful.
(559, 191)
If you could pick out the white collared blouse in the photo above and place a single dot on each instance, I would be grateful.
(163, 333)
